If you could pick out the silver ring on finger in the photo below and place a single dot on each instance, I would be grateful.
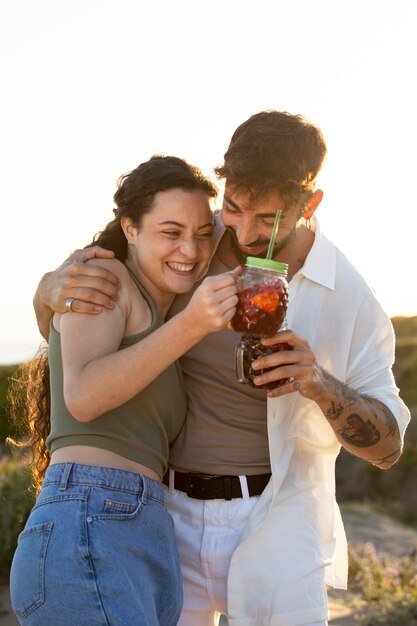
(296, 385)
(68, 304)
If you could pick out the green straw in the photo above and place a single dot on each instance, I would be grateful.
(273, 236)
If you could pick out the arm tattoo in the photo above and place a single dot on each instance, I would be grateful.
(380, 410)
(337, 388)
(359, 433)
(390, 421)
(334, 411)
(360, 421)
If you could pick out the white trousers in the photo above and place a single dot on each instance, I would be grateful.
(207, 533)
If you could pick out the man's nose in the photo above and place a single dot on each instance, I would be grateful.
(246, 233)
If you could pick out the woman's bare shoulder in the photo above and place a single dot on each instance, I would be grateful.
(136, 309)
(113, 265)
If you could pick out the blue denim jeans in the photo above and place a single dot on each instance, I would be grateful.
(98, 549)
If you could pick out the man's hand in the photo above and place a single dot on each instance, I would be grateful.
(363, 425)
(298, 365)
(92, 288)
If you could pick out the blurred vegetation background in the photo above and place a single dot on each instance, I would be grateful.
(392, 492)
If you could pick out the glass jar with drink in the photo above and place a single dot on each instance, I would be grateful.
(262, 305)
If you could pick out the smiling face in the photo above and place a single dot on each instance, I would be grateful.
(250, 223)
(172, 248)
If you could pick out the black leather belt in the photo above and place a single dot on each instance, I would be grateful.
(208, 487)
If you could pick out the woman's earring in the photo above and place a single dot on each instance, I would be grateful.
(308, 223)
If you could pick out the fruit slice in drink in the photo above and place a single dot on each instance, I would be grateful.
(261, 308)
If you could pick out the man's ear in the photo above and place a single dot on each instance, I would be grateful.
(312, 204)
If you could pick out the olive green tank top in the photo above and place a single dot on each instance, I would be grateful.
(142, 428)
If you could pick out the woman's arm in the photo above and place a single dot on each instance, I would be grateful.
(99, 377)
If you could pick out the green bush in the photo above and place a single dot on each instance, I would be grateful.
(408, 379)
(386, 587)
(16, 501)
(405, 366)
(394, 490)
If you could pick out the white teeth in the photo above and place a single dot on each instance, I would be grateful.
(182, 267)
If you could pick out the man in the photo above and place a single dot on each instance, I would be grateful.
(259, 550)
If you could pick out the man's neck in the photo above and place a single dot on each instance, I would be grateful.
(296, 252)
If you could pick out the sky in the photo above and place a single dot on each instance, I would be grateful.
(91, 88)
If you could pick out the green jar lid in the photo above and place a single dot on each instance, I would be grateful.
(253, 261)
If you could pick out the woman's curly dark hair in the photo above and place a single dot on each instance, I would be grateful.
(29, 409)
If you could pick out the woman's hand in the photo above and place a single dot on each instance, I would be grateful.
(213, 304)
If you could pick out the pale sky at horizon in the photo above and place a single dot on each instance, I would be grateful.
(91, 88)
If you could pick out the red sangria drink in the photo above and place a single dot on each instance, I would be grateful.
(261, 308)
(260, 312)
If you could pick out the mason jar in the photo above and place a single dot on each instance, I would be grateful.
(260, 312)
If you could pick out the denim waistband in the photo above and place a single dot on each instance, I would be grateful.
(65, 474)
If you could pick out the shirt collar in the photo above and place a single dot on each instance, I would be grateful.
(320, 264)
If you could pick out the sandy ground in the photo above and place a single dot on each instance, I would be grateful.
(362, 525)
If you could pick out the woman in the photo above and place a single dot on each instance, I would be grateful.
(99, 547)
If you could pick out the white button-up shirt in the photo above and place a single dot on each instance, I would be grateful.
(295, 540)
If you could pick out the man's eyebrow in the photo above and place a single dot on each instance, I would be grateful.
(238, 208)
(232, 203)
(235, 205)
(269, 214)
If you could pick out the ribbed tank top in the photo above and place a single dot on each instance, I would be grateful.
(142, 428)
